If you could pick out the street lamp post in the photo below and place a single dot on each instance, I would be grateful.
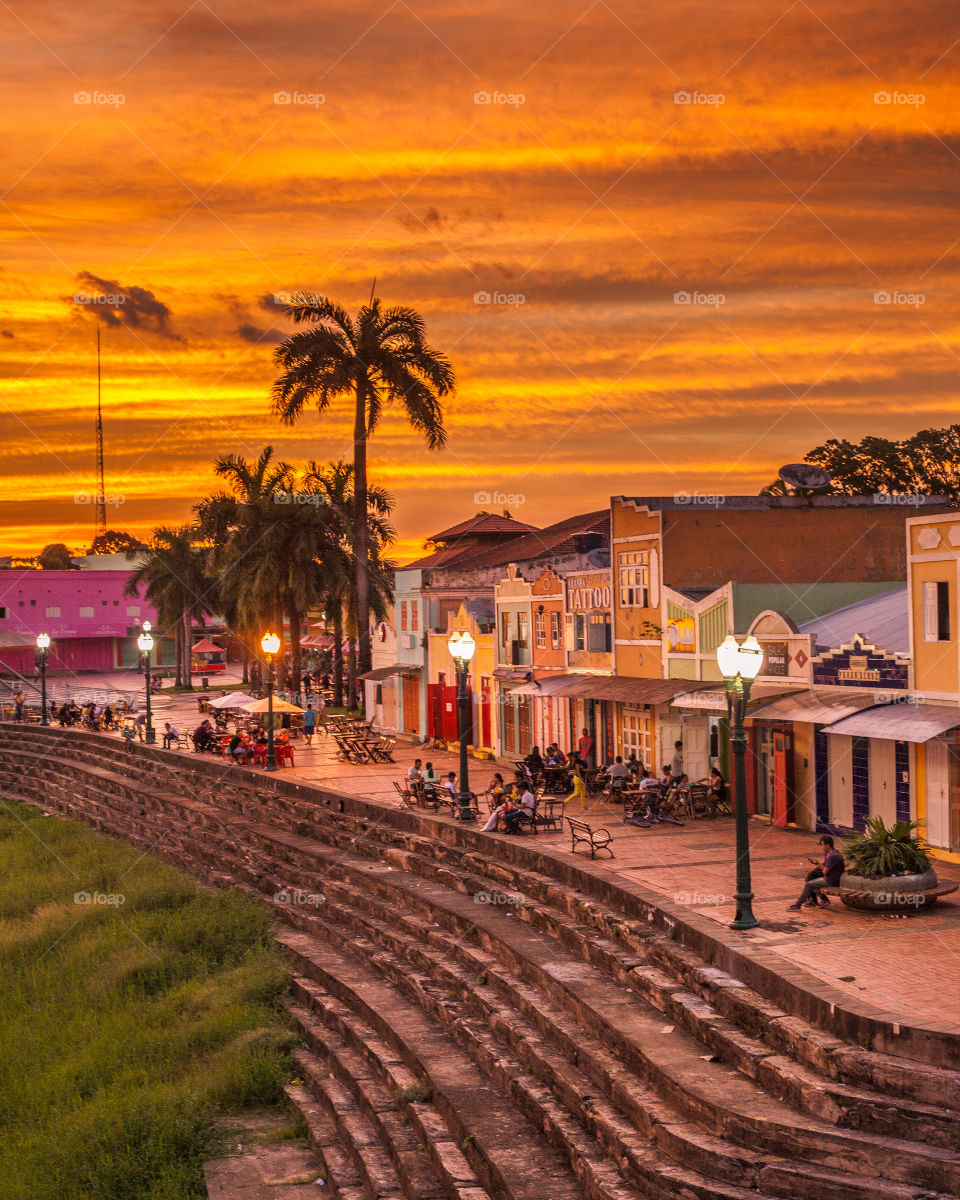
(145, 644)
(462, 646)
(740, 664)
(270, 644)
(43, 646)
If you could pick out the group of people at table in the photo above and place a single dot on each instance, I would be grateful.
(241, 747)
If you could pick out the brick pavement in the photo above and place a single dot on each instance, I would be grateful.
(904, 964)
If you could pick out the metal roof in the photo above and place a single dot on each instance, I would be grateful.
(712, 697)
(819, 705)
(901, 720)
(624, 689)
(881, 620)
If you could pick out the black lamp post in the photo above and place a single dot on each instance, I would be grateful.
(145, 644)
(462, 646)
(270, 644)
(740, 664)
(43, 647)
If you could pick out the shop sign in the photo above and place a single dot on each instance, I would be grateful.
(776, 660)
(680, 635)
(588, 593)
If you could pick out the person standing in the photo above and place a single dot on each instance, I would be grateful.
(18, 703)
(585, 748)
(309, 724)
(676, 763)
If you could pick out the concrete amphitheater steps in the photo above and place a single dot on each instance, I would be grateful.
(392, 887)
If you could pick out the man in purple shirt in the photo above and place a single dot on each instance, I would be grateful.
(823, 877)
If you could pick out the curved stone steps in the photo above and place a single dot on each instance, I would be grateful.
(337, 1170)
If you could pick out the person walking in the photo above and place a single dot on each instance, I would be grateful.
(18, 703)
(827, 875)
(309, 724)
(578, 784)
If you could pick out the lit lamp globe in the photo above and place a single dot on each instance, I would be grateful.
(751, 657)
(145, 640)
(43, 641)
(462, 645)
(728, 656)
(270, 643)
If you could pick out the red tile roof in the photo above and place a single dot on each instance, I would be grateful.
(556, 539)
(482, 524)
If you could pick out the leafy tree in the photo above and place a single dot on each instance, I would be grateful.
(927, 464)
(116, 541)
(378, 357)
(55, 557)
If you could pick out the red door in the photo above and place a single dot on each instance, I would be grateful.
(451, 727)
(780, 787)
(485, 708)
(435, 710)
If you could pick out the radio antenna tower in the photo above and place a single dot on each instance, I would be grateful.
(100, 508)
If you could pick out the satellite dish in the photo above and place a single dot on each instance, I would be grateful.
(804, 476)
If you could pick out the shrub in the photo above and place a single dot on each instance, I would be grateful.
(880, 852)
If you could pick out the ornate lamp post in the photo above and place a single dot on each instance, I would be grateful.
(43, 646)
(270, 644)
(145, 645)
(462, 646)
(740, 664)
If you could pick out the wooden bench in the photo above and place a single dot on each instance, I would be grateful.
(596, 839)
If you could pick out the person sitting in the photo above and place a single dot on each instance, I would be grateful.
(716, 791)
(236, 749)
(618, 773)
(170, 735)
(534, 761)
(502, 813)
(414, 773)
(827, 875)
(430, 781)
(203, 737)
(523, 812)
(108, 719)
(634, 765)
(450, 784)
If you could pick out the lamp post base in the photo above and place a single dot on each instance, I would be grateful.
(744, 918)
(150, 738)
(466, 808)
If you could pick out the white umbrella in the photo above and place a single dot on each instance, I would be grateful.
(232, 700)
(262, 706)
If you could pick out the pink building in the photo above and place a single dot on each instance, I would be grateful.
(94, 627)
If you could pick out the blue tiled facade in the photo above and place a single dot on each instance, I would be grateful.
(860, 769)
(883, 671)
(902, 751)
(821, 781)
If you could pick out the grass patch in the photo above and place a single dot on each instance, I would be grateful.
(136, 1008)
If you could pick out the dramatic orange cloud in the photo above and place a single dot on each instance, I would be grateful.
(668, 247)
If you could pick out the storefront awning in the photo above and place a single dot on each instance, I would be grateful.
(393, 669)
(712, 697)
(902, 720)
(511, 674)
(819, 705)
(548, 685)
(626, 689)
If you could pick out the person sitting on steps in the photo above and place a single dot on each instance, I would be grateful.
(821, 877)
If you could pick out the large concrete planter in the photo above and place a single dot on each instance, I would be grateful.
(905, 894)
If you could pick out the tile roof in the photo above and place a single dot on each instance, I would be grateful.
(484, 523)
(556, 539)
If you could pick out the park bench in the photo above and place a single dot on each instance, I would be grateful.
(596, 839)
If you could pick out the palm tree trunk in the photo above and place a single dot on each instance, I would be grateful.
(293, 614)
(187, 644)
(246, 663)
(337, 656)
(178, 653)
(360, 540)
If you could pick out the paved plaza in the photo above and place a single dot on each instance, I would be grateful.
(905, 965)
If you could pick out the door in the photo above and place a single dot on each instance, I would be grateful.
(781, 778)
(938, 807)
(883, 780)
(671, 730)
(840, 778)
(411, 704)
(485, 709)
(524, 743)
(953, 793)
(764, 772)
(695, 735)
(435, 709)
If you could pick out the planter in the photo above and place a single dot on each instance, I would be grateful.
(904, 894)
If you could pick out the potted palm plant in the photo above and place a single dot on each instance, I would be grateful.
(888, 869)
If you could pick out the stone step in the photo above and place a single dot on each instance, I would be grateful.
(337, 1169)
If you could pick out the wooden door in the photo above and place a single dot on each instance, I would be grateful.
(938, 804)
(883, 780)
(840, 778)
(695, 735)
(411, 704)
(780, 808)
(953, 793)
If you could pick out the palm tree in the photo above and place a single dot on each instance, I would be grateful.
(378, 357)
(175, 582)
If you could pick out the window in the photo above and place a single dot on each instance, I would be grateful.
(505, 628)
(403, 616)
(598, 633)
(556, 631)
(634, 577)
(52, 611)
(579, 632)
(3, 613)
(414, 616)
(936, 611)
(523, 629)
(86, 611)
(133, 610)
(540, 630)
(33, 604)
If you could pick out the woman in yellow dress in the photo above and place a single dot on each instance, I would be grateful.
(579, 787)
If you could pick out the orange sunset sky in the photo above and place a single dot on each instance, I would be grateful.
(781, 164)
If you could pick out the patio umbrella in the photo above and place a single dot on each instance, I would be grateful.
(205, 647)
(232, 700)
(279, 706)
